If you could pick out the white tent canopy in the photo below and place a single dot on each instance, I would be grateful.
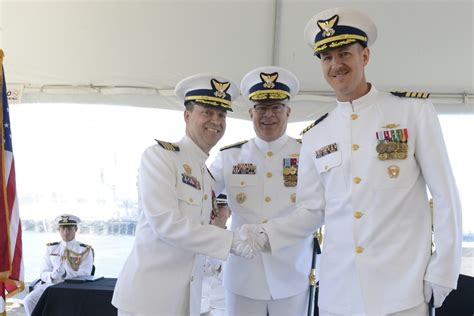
(133, 52)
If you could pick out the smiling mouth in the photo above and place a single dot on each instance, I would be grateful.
(340, 74)
(213, 130)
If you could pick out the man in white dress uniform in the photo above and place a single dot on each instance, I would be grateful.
(65, 259)
(364, 169)
(260, 176)
(163, 273)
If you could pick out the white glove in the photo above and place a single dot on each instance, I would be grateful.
(241, 248)
(439, 293)
(256, 236)
(58, 274)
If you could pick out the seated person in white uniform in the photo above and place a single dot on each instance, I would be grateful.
(65, 259)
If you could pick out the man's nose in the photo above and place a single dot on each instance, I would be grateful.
(216, 118)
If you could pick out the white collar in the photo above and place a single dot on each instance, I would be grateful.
(357, 105)
(274, 146)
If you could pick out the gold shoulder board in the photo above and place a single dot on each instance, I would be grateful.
(411, 94)
(236, 145)
(314, 123)
(167, 146)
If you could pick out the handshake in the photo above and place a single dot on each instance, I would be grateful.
(248, 240)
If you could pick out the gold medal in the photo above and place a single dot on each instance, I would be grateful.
(289, 183)
(393, 171)
(403, 147)
(293, 170)
(381, 148)
(384, 156)
(241, 197)
(286, 171)
(392, 147)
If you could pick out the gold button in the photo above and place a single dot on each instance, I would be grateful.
(359, 249)
(264, 221)
(269, 174)
(355, 147)
(354, 116)
(268, 199)
(270, 153)
(357, 180)
(242, 182)
(358, 214)
(205, 196)
(191, 200)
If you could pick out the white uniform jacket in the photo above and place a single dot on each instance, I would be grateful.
(252, 176)
(163, 273)
(56, 255)
(377, 245)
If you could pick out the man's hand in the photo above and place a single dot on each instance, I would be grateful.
(439, 293)
(241, 248)
(58, 273)
(256, 237)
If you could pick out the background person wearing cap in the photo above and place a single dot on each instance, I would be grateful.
(260, 177)
(65, 259)
(163, 273)
(365, 168)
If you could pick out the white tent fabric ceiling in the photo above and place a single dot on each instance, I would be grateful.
(134, 52)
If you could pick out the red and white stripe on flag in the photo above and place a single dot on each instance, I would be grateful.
(11, 259)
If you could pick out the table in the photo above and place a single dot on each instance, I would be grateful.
(78, 299)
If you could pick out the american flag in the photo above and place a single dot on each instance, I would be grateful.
(11, 261)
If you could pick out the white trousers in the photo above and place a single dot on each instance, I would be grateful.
(237, 305)
(420, 310)
(30, 301)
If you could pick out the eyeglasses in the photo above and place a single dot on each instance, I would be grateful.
(275, 108)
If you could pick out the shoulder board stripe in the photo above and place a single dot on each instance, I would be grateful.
(411, 94)
(236, 145)
(167, 146)
(314, 123)
(52, 243)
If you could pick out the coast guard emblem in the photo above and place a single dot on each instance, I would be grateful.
(220, 87)
(327, 26)
(269, 79)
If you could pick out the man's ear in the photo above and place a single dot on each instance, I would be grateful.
(186, 116)
(366, 55)
(251, 113)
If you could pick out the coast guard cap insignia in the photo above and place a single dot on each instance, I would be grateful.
(220, 87)
(269, 79)
(327, 26)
